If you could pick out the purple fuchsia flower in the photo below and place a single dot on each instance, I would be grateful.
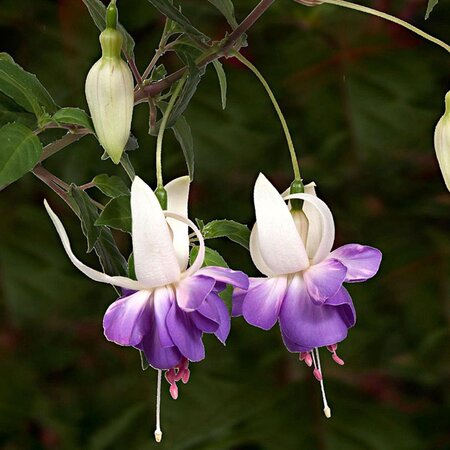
(303, 288)
(165, 312)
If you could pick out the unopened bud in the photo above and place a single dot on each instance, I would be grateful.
(109, 93)
(442, 142)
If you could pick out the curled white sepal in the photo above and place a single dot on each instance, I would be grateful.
(93, 274)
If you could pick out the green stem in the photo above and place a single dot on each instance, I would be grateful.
(162, 129)
(390, 18)
(287, 133)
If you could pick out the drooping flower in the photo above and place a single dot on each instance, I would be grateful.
(303, 288)
(442, 142)
(165, 312)
(110, 92)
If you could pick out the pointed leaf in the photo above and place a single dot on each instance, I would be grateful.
(183, 134)
(111, 186)
(222, 82)
(10, 112)
(117, 214)
(88, 215)
(234, 231)
(73, 116)
(19, 153)
(430, 7)
(226, 7)
(24, 88)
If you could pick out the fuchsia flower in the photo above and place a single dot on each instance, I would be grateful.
(303, 289)
(165, 312)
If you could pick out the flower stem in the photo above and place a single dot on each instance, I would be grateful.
(287, 133)
(162, 129)
(390, 18)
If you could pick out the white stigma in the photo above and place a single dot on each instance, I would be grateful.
(316, 362)
(158, 432)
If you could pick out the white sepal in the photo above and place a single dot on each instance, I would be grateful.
(93, 274)
(155, 260)
(280, 245)
(177, 202)
(442, 142)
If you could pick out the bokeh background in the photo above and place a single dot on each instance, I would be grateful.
(362, 98)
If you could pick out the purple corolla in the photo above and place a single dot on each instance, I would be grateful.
(165, 312)
(303, 288)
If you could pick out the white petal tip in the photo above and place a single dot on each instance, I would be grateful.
(327, 412)
(158, 436)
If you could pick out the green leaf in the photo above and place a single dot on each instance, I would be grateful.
(117, 214)
(166, 8)
(19, 153)
(222, 82)
(24, 88)
(212, 257)
(111, 186)
(73, 116)
(97, 10)
(226, 7)
(183, 134)
(430, 7)
(10, 112)
(88, 215)
(112, 261)
(234, 231)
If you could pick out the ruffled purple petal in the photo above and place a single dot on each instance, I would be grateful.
(344, 304)
(238, 301)
(158, 356)
(263, 300)
(204, 323)
(214, 308)
(307, 324)
(224, 276)
(185, 335)
(191, 291)
(362, 261)
(323, 280)
(292, 346)
(127, 320)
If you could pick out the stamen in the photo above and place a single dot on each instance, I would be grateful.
(326, 408)
(306, 356)
(336, 359)
(158, 432)
(173, 391)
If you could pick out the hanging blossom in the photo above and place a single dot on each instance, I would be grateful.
(165, 312)
(303, 289)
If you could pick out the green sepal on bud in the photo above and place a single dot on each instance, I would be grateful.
(297, 187)
(110, 91)
(161, 195)
(442, 142)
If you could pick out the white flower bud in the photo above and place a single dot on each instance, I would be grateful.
(442, 142)
(110, 95)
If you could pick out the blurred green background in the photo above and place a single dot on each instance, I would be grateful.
(362, 98)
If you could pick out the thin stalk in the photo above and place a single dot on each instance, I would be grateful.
(162, 129)
(390, 18)
(284, 124)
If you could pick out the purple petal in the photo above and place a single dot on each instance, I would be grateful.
(215, 309)
(344, 304)
(191, 291)
(186, 336)
(307, 324)
(225, 276)
(238, 301)
(362, 262)
(159, 357)
(204, 323)
(292, 346)
(262, 303)
(323, 280)
(127, 320)
(163, 298)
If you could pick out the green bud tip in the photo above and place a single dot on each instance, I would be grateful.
(112, 15)
(161, 195)
(297, 187)
(447, 103)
